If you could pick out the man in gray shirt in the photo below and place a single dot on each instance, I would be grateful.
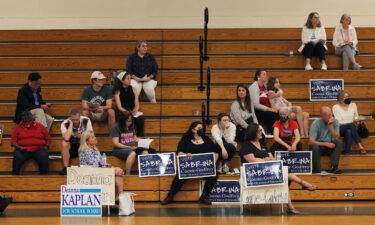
(97, 100)
(324, 140)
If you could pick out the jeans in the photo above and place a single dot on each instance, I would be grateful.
(21, 156)
(349, 132)
(318, 151)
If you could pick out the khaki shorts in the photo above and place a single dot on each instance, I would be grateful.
(95, 116)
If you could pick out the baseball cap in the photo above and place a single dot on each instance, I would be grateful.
(121, 75)
(97, 75)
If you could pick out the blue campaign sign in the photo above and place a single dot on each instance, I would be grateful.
(297, 162)
(81, 200)
(325, 89)
(263, 173)
(198, 165)
(163, 164)
(225, 191)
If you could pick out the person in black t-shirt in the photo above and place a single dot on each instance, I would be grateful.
(126, 98)
(255, 151)
(194, 141)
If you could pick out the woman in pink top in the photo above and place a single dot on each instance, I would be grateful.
(345, 42)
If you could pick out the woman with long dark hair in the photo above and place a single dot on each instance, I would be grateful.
(126, 98)
(125, 141)
(253, 150)
(194, 141)
(242, 111)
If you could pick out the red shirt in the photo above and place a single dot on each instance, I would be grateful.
(286, 133)
(31, 138)
(263, 96)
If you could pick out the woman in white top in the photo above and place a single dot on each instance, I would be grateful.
(242, 111)
(224, 133)
(345, 42)
(314, 41)
(346, 113)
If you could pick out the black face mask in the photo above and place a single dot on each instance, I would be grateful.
(283, 119)
(347, 101)
(200, 132)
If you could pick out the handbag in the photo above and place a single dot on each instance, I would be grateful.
(362, 130)
(126, 206)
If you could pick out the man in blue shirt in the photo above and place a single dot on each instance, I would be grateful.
(143, 68)
(325, 140)
(30, 98)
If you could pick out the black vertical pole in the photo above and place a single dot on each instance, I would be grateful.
(203, 116)
(208, 93)
(201, 86)
(205, 57)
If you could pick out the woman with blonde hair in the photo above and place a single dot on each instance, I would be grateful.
(89, 155)
(345, 42)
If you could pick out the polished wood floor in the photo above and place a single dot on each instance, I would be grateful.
(322, 213)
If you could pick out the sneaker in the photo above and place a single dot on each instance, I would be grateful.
(63, 171)
(225, 168)
(219, 168)
(324, 66)
(308, 67)
(357, 66)
(336, 170)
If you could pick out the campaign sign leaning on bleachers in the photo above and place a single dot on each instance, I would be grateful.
(224, 191)
(325, 89)
(162, 164)
(105, 177)
(263, 173)
(198, 165)
(298, 162)
(81, 200)
(273, 194)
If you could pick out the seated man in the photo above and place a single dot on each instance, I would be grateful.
(143, 68)
(324, 140)
(97, 100)
(71, 130)
(31, 141)
(30, 99)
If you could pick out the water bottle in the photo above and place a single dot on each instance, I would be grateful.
(104, 160)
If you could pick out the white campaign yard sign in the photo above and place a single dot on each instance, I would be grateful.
(81, 200)
(273, 194)
(105, 177)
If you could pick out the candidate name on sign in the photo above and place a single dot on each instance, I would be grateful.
(297, 162)
(157, 164)
(263, 173)
(198, 165)
(224, 191)
(105, 177)
(81, 200)
(325, 89)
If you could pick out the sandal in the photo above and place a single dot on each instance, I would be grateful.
(363, 151)
(308, 186)
(292, 211)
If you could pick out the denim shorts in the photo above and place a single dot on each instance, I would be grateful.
(122, 153)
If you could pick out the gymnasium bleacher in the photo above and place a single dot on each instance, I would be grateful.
(66, 58)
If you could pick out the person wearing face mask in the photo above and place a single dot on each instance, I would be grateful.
(224, 133)
(194, 141)
(31, 141)
(347, 114)
(286, 135)
(325, 140)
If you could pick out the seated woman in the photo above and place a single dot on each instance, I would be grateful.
(125, 141)
(242, 111)
(31, 140)
(314, 41)
(345, 42)
(347, 114)
(279, 101)
(284, 130)
(89, 155)
(126, 98)
(194, 141)
(259, 98)
(224, 133)
(254, 151)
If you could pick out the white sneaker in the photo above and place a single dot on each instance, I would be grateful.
(324, 66)
(308, 67)
(219, 167)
